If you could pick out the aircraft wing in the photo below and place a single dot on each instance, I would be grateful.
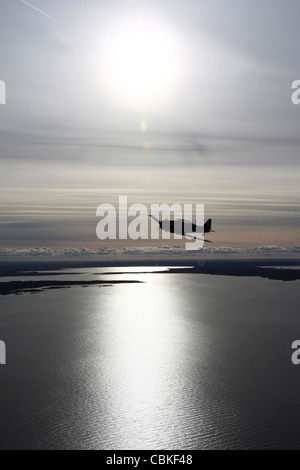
(196, 238)
(156, 220)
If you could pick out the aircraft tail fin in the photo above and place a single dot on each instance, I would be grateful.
(207, 226)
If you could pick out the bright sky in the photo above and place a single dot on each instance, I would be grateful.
(174, 101)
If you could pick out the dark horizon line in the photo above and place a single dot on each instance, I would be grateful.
(263, 268)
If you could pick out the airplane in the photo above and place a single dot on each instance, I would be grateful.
(179, 227)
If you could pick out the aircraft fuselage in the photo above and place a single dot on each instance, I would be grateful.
(180, 227)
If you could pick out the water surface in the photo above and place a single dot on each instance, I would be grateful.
(182, 361)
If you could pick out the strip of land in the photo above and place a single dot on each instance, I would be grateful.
(279, 270)
(20, 287)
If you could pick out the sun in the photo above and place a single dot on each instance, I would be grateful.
(140, 62)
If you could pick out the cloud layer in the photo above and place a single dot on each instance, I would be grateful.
(10, 253)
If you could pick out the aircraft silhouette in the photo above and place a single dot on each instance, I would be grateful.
(182, 227)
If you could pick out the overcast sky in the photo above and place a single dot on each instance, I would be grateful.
(220, 128)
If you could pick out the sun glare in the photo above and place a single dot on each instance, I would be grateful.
(140, 63)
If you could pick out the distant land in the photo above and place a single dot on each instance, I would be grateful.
(20, 287)
(280, 270)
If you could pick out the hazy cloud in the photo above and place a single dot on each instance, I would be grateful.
(50, 253)
(146, 252)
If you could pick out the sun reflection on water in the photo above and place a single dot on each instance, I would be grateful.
(145, 372)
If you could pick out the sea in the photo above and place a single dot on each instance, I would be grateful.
(173, 361)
